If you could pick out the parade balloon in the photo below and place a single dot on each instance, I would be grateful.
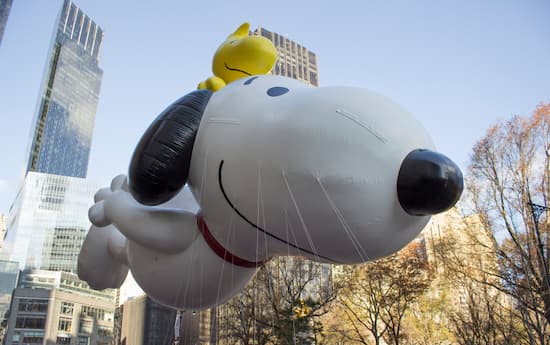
(272, 167)
(240, 55)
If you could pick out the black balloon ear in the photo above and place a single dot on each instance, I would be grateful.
(160, 163)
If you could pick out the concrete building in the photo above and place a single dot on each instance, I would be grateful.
(53, 316)
(51, 307)
(146, 322)
(65, 115)
(293, 60)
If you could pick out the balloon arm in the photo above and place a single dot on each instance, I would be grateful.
(213, 84)
(165, 229)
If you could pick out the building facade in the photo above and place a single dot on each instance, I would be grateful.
(52, 316)
(9, 273)
(5, 7)
(146, 322)
(49, 221)
(64, 120)
(293, 59)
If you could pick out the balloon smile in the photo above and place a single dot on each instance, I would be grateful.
(236, 69)
(220, 182)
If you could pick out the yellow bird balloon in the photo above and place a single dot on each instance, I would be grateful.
(239, 56)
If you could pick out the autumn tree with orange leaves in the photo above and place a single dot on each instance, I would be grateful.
(508, 174)
(376, 296)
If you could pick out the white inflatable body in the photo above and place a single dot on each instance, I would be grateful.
(277, 168)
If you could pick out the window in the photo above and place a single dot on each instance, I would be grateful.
(95, 313)
(313, 78)
(30, 322)
(312, 58)
(83, 340)
(63, 340)
(64, 325)
(85, 326)
(67, 308)
(33, 339)
(104, 331)
(33, 305)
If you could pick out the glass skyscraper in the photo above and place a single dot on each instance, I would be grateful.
(5, 6)
(65, 116)
(49, 221)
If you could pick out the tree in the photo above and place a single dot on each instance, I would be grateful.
(240, 320)
(477, 310)
(300, 292)
(282, 305)
(375, 296)
(508, 172)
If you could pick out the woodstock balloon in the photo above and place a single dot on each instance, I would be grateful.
(273, 167)
(240, 55)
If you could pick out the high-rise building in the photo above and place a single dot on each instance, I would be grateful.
(49, 221)
(293, 60)
(5, 6)
(65, 116)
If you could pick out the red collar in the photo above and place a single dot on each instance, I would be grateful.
(219, 249)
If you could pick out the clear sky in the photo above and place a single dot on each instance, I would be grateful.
(456, 65)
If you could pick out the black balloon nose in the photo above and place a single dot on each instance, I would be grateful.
(428, 183)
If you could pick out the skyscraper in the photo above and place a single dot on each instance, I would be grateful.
(293, 60)
(65, 115)
(5, 6)
(48, 221)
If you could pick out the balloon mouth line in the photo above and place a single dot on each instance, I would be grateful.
(236, 69)
(258, 228)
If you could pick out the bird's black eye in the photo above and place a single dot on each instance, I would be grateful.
(249, 81)
(277, 91)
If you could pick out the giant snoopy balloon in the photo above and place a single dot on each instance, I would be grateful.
(273, 167)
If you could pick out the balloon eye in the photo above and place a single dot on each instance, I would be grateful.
(249, 81)
(277, 91)
(233, 42)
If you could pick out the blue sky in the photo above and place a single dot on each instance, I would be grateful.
(458, 66)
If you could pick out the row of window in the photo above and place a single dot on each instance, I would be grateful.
(292, 46)
(33, 305)
(30, 322)
(96, 313)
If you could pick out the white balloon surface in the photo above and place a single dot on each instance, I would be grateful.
(277, 168)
